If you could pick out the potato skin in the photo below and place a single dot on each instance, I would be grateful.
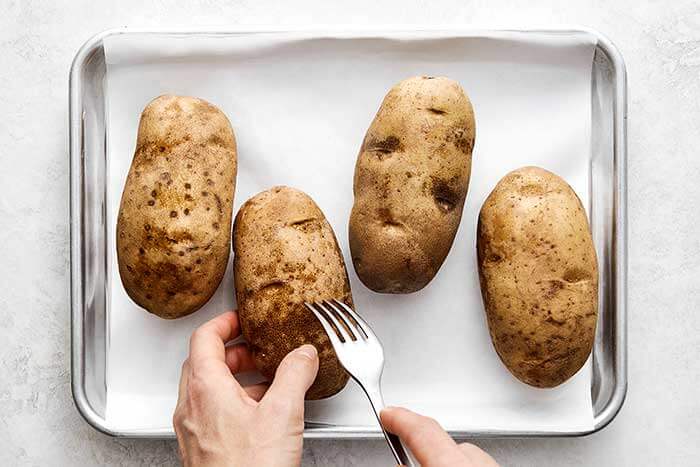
(411, 180)
(174, 224)
(286, 254)
(539, 276)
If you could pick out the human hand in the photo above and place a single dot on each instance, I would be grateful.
(220, 423)
(429, 443)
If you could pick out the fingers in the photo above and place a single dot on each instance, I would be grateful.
(423, 435)
(209, 372)
(239, 359)
(295, 374)
(208, 340)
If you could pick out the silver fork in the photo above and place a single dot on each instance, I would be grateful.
(362, 355)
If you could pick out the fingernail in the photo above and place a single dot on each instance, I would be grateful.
(308, 351)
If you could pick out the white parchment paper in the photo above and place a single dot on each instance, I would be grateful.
(300, 105)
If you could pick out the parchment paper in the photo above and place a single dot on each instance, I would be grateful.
(300, 107)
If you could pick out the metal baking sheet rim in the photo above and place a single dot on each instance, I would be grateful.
(76, 154)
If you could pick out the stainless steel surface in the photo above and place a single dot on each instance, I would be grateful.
(362, 355)
(88, 159)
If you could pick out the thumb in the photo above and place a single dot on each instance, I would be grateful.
(294, 376)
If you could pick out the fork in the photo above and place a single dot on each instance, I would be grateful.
(362, 356)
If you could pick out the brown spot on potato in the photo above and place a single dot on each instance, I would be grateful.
(574, 275)
(445, 197)
(215, 140)
(387, 219)
(532, 189)
(391, 223)
(307, 225)
(219, 204)
(272, 286)
(553, 287)
(385, 146)
(173, 213)
(462, 138)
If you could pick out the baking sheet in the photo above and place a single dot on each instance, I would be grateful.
(300, 106)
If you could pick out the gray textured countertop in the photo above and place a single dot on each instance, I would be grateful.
(659, 424)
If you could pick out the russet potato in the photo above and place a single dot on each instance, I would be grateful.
(286, 254)
(411, 180)
(174, 223)
(539, 276)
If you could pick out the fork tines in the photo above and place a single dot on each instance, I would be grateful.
(339, 320)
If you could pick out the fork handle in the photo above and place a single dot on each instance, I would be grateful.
(395, 445)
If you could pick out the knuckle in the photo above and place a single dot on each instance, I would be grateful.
(178, 418)
(197, 387)
(197, 335)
